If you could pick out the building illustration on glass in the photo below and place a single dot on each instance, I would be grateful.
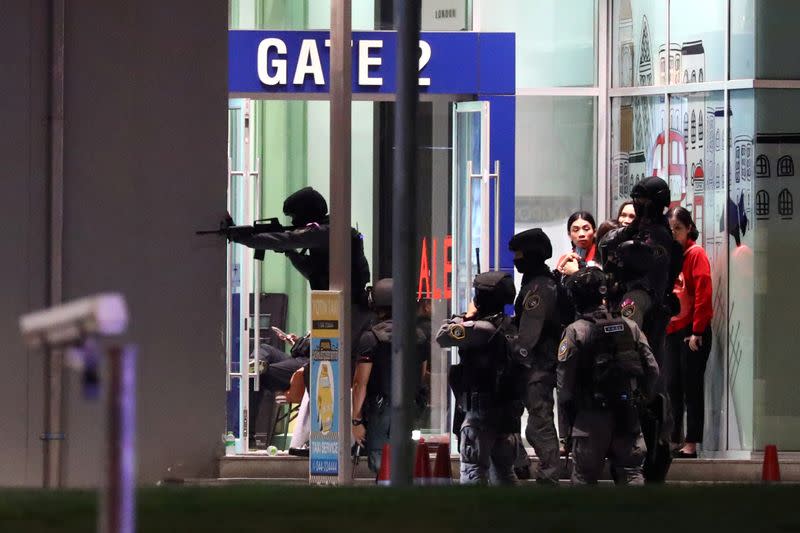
(785, 205)
(774, 164)
(762, 205)
(626, 51)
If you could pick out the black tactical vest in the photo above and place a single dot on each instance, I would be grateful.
(319, 277)
(611, 365)
(490, 369)
(380, 378)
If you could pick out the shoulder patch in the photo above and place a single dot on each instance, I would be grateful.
(457, 332)
(532, 301)
(562, 350)
(628, 308)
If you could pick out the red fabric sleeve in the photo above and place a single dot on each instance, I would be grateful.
(700, 270)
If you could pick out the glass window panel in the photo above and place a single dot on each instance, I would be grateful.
(555, 40)
(741, 247)
(697, 42)
(776, 400)
(695, 183)
(776, 39)
(637, 142)
(742, 39)
(295, 15)
(556, 154)
(555, 164)
(638, 31)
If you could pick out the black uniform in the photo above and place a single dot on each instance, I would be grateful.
(490, 396)
(605, 368)
(313, 262)
(537, 320)
(487, 384)
(537, 317)
(643, 261)
(375, 347)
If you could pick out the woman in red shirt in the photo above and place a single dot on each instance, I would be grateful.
(689, 335)
(580, 228)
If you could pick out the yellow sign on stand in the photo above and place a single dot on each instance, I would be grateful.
(326, 311)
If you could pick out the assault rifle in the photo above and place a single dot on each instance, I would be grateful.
(232, 232)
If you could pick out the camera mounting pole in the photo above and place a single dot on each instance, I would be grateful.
(71, 332)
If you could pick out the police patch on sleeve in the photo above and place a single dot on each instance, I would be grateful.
(562, 350)
(628, 308)
(457, 332)
(532, 301)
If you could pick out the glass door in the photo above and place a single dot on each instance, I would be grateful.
(242, 281)
(474, 206)
(474, 188)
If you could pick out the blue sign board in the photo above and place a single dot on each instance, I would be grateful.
(263, 62)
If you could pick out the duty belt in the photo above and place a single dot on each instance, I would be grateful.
(478, 401)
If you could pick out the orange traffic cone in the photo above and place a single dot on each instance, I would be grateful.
(442, 474)
(771, 471)
(384, 472)
(422, 465)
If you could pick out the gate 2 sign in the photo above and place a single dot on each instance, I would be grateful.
(264, 62)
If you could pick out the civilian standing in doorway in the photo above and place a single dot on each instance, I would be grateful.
(689, 335)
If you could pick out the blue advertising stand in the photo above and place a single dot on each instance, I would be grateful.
(326, 309)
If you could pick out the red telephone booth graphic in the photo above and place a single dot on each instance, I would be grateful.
(676, 173)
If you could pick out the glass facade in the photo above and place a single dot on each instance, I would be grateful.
(770, 182)
(556, 164)
(638, 33)
(697, 42)
(604, 98)
(556, 41)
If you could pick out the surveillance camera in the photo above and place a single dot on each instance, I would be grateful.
(72, 322)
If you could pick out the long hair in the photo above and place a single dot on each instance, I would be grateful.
(585, 215)
(604, 228)
(622, 206)
(684, 217)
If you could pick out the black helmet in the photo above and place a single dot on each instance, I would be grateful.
(654, 189)
(493, 291)
(587, 287)
(533, 243)
(305, 206)
(382, 293)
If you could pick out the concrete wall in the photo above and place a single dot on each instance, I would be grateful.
(22, 239)
(145, 166)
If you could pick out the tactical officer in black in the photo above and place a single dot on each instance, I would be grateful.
(605, 367)
(372, 380)
(486, 383)
(308, 249)
(643, 261)
(537, 319)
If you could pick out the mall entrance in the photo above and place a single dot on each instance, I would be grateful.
(457, 199)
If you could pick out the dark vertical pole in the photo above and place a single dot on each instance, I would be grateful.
(118, 503)
(340, 261)
(404, 369)
(53, 445)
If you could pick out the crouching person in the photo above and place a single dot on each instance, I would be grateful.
(485, 386)
(605, 370)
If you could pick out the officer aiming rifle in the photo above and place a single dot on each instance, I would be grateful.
(235, 233)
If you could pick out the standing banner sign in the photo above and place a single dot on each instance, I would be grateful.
(326, 310)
